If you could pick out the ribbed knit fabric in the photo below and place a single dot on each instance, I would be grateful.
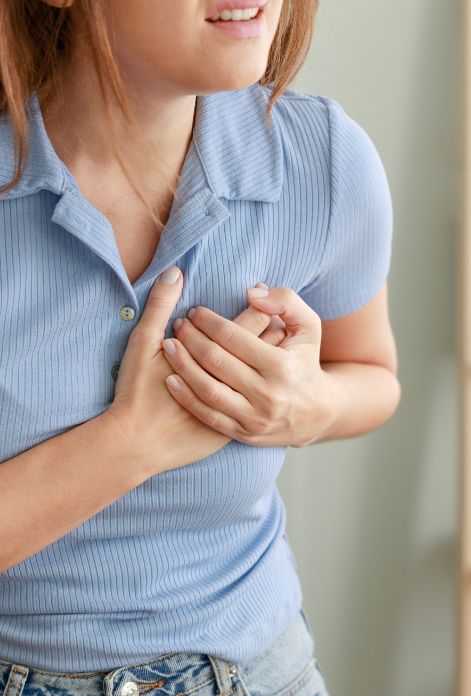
(197, 558)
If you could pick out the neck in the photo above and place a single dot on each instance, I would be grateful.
(77, 126)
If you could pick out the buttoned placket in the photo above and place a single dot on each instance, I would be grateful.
(188, 223)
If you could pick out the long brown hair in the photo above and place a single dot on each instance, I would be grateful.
(35, 38)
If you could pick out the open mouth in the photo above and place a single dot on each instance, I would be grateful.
(235, 21)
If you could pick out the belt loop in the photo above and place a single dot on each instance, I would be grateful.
(223, 675)
(16, 680)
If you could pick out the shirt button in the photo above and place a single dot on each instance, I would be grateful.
(114, 370)
(126, 313)
(130, 689)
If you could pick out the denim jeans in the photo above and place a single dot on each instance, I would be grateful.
(288, 667)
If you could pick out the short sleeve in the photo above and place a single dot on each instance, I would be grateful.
(357, 248)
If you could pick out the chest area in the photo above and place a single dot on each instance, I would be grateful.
(136, 233)
(62, 300)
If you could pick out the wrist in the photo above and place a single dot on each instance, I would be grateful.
(127, 446)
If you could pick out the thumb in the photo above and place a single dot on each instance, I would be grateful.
(161, 300)
(302, 324)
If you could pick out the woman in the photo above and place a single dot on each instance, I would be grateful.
(143, 535)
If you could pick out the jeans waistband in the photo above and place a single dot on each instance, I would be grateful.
(177, 673)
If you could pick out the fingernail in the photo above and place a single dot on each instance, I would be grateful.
(170, 275)
(258, 292)
(262, 285)
(169, 346)
(173, 382)
(178, 322)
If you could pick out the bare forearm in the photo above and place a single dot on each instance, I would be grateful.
(366, 396)
(59, 484)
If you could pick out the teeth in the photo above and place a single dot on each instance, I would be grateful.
(236, 15)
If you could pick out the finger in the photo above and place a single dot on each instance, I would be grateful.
(253, 319)
(303, 325)
(219, 362)
(161, 300)
(275, 333)
(235, 339)
(208, 389)
(207, 415)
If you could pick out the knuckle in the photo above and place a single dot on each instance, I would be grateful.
(287, 293)
(178, 361)
(258, 323)
(274, 407)
(270, 403)
(250, 438)
(260, 391)
(214, 358)
(261, 425)
(141, 335)
(279, 336)
(211, 396)
(211, 418)
(283, 399)
(285, 367)
(159, 301)
(226, 334)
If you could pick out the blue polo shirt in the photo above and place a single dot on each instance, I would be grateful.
(195, 559)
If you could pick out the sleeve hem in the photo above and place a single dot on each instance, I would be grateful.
(348, 306)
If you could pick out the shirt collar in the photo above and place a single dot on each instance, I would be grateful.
(238, 154)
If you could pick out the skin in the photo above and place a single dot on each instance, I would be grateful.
(162, 89)
(325, 380)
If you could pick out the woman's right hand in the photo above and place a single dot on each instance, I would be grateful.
(158, 432)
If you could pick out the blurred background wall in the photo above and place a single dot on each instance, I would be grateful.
(373, 521)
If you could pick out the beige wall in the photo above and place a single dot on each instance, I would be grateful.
(373, 520)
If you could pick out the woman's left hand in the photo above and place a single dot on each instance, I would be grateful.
(247, 388)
